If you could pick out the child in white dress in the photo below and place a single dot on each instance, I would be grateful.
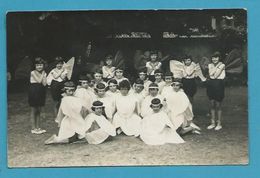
(112, 88)
(157, 129)
(179, 109)
(143, 76)
(139, 93)
(84, 92)
(98, 127)
(97, 78)
(126, 117)
(153, 93)
(168, 78)
(100, 92)
(158, 74)
(119, 75)
(108, 70)
(70, 117)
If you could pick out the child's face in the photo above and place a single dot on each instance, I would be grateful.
(168, 79)
(70, 92)
(109, 62)
(158, 77)
(124, 91)
(59, 65)
(139, 88)
(142, 76)
(98, 111)
(101, 93)
(153, 91)
(113, 87)
(187, 61)
(154, 57)
(84, 84)
(98, 76)
(119, 74)
(39, 67)
(176, 86)
(156, 108)
(215, 60)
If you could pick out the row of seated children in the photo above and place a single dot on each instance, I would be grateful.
(124, 111)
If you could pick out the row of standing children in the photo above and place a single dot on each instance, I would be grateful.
(215, 89)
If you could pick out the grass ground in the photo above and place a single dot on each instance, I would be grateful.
(228, 146)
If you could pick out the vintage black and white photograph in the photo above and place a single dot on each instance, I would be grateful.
(127, 88)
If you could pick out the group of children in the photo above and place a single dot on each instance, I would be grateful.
(157, 107)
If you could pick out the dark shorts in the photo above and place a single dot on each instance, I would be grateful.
(56, 90)
(189, 86)
(37, 95)
(216, 89)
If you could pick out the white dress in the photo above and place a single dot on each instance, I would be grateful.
(145, 106)
(166, 90)
(161, 85)
(87, 97)
(146, 86)
(139, 97)
(109, 104)
(113, 94)
(102, 131)
(179, 108)
(69, 118)
(126, 117)
(157, 129)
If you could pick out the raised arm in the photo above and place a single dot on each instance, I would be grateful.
(39, 79)
(57, 74)
(219, 70)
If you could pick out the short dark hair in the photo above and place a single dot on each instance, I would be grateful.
(124, 84)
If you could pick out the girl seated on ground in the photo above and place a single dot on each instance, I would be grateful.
(139, 93)
(112, 88)
(109, 102)
(153, 93)
(119, 75)
(84, 92)
(108, 70)
(168, 78)
(98, 127)
(179, 109)
(126, 117)
(143, 76)
(158, 74)
(156, 128)
(97, 78)
(70, 117)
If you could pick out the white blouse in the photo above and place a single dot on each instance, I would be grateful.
(108, 72)
(218, 71)
(189, 72)
(151, 67)
(38, 75)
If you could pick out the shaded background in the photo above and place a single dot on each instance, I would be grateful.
(94, 34)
